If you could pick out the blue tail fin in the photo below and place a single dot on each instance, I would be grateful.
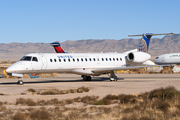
(144, 43)
(57, 47)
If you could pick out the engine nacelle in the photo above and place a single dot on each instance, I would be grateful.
(138, 56)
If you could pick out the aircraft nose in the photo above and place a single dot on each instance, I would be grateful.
(9, 70)
(156, 61)
(12, 68)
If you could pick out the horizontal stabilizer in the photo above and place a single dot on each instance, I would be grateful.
(151, 34)
(56, 44)
(144, 43)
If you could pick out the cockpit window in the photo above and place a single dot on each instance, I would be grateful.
(26, 58)
(157, 57)
(35, 59)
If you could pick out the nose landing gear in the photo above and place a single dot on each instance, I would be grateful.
(20, 81)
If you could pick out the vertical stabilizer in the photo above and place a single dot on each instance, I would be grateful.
(144, 43)
(57, 47)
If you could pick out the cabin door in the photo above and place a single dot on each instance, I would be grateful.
(44, 62)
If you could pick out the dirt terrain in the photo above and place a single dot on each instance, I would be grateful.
(99, 86)
(133, 96)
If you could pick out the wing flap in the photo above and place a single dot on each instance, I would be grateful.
(122, 68)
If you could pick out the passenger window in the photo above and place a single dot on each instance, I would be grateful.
(78, 59)
(97, 59)
(102, 59)
(113, 59)
(120, 59)
(94, 59)
(59, 60)
(82, 59)
(35, 59)
(50, 60)
(85, 59)
(106, 59)
(117, 59)
(109, 59)
(54, 60)
(64, 60)
(73, 60)
(89, 59)
(69, 60)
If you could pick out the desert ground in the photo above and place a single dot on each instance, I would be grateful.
(99, 86)
(59, 98)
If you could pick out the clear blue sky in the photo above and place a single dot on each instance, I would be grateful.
(60, 20)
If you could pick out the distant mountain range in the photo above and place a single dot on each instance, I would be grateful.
(168, 44)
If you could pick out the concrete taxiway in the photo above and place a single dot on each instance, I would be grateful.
(99, 86)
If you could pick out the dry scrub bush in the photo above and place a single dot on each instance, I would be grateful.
(82, 89)
(2, 108)
(88, 99)
(56, 91)
(167, 93)
(31, 90)
(124, 99)
(40, 114)
(167, 70)
(23, 101)
(153, 105)
(162, 105)
(19, 116)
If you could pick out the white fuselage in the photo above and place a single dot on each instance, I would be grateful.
(78, 63)
(171, 58)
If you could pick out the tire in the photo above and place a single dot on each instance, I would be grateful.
(89, 78)
(21, 82)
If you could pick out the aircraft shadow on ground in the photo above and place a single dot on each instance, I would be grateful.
(94, 79)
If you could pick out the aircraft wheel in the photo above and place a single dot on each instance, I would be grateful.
(20, 82)
(85, 77)
(113, 79)
(89, 78)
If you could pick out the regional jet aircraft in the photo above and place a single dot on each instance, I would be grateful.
(171, 58)
(84, 64)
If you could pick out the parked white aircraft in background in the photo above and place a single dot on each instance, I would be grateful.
(171, 58)
(85, 64)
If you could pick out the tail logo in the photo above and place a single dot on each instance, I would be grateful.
(57, 47)
(144, 44)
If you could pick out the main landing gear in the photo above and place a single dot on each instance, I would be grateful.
(112, 76)
(86, 78)
(20, 82)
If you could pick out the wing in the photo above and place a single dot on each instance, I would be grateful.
(123, 68)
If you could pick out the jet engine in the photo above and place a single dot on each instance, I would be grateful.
(138, 57)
